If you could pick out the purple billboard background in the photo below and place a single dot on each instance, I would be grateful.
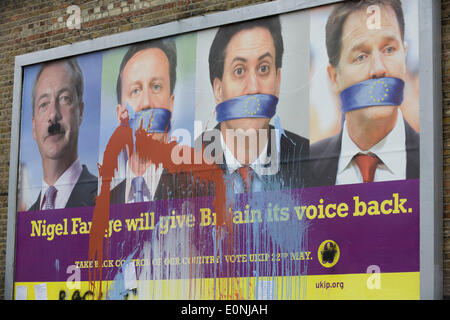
(389, 241)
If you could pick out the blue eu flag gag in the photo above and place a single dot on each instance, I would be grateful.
(248, 106)
(371, 93)
(155, 120)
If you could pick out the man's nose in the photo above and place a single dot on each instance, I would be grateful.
(54, 111)
(377, 67)
(252, 84)
(146, 101)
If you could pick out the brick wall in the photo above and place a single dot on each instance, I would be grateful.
(28, 26)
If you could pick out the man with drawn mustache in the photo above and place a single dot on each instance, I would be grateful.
(57, 103)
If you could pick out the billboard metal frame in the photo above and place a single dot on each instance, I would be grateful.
(431, 141)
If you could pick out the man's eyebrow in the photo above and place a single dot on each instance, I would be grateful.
(139, 81)
(267, 54)
(135, 82)
(390, 38)
(64, 89)
(238, 59)
(156, 78)
(360, 45)
(42, 96)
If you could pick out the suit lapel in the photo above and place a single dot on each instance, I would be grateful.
(335, 152)
(220, 153)
(325, 162)
(179, 185)
(118, 193)
(412, 152)
(36, 204)
(81, 194)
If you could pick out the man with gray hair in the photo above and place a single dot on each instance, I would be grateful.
(57, 109)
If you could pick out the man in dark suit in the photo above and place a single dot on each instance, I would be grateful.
(82, 195)
(58, 106)
(145, 91)
(245, 62)
(367, 68)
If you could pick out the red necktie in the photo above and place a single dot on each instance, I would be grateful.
(367, 164)
(246, 175)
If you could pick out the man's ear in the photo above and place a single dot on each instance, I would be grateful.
(217, 88)
(33, 128)
(405, 46)
(120, 113)
(81, 113)
(278, 82)
(332, 76)
(171, 102)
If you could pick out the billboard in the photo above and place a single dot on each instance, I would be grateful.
(277, 157)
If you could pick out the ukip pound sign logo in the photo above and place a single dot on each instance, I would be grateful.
(328, 253)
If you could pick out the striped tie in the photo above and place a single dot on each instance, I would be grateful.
(138, 185)
(49, 198)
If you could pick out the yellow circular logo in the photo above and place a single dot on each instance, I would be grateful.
(328, 253)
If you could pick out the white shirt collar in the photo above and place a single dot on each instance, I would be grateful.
(233, 164)
(386, 149)
(151, 177)
(64, 185)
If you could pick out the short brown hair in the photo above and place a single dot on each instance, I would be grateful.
(167, 46)
(337, 18)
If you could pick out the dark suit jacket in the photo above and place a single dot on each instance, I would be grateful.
(324, 158)
(294, 152)
(118, 193)
(83, 194)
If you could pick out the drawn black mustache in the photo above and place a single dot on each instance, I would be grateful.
(55, 128)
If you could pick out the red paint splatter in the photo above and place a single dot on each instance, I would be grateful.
(148, 149)
(121, 138)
